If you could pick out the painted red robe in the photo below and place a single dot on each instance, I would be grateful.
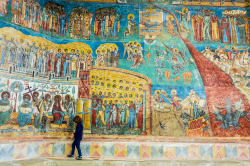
(55, 62)
(56, 116)
(140, 118)
(93, 116)
(49, 69)
(63, 60)
(197, 24)
(97, 27)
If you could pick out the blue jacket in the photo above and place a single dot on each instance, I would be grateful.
(79, 132)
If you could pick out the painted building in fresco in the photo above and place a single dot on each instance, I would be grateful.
(161, 68)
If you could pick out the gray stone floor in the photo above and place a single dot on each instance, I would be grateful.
(61, 162)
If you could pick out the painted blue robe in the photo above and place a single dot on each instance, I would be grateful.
(4, 116)
(27, 13)
(131, 118)
(122, 117)
(115, 27)
(24, 119)
(103, 26)
(107, 113)
(62, 24)
(20, 58)
(39, 64)
(3, 55)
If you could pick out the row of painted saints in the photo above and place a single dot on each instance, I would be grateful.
(206, 25)
(107, 23)
(26, 57)
(231, 28)
(114, 113)
(54, 20)
(21, 56)
(36, 111)
(80, 23)
(26, 13)
(107, 55)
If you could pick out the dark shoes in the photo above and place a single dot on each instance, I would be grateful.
(70, 156)
(79, 158)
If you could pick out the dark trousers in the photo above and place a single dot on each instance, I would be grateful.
(76, 144)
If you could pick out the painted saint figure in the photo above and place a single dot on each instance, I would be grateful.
(225, 34)
(214, 28)
(113, 115)
(123, 111)
(58, 63)
(5, 108)
(206, 32)
(25, 111)
(108, 107)
(58, 114)
(170, 26)
(198, 27)
(3, 51)
(131, 30)
(100, 119)
(140, 116)
(176, 106)
(69, 106)
(45, 105)
(132, 114)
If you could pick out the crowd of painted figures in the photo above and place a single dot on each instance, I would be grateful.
(133, 50)
(231, 28)
(54, 19)
(39, 59)
(107, 55)
(108, 111)
(36, 110)
(4, 7)
(107, 23)
(233, 61)
(80, 23)
(26, 13)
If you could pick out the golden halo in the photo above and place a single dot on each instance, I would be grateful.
(115, 46)
(131, 15)
(157, 92)
(184, 10)
(89, 50)
(97, 50)
(168, 17)
(173, 92)
(175, 50)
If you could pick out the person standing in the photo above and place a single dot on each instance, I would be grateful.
(77, 138)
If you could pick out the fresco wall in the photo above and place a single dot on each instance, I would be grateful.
(148, 68)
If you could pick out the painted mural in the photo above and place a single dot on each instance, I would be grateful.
(150, 68)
